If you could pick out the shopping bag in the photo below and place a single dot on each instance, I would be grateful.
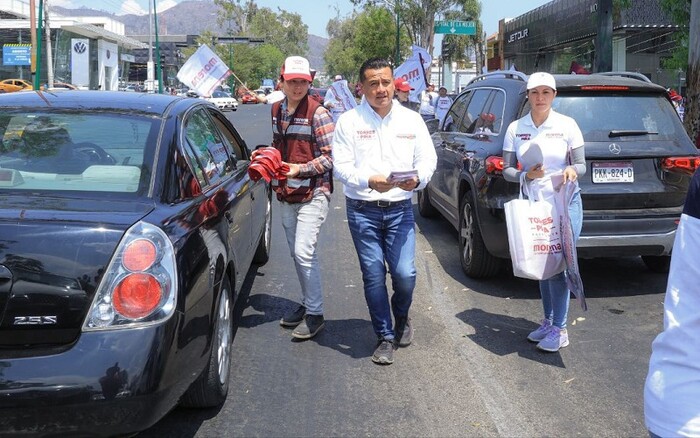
(562, 199)
(534, 238)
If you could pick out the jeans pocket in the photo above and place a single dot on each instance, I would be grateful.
(354, 204)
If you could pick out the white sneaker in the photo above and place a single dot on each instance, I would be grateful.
(556, 338)
(541, 331)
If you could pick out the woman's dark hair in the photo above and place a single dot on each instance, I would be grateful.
(374, 64)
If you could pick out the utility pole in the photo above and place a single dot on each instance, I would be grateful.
(49, 50)
(37, 77)
(149, 64)
(603, 41)
(159, 72)
(32, 31)
(397, 59)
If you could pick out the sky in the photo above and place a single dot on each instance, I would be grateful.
(314, 13)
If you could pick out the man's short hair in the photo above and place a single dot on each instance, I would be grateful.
(374, 64)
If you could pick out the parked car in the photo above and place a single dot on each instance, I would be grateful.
(12, 85)
(127, 226)
(60, 86)
(223, 100)
(639, 162)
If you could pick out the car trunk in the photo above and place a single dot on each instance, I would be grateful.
(53, 253)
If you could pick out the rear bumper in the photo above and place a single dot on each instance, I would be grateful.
(627, 245)
(107, 383)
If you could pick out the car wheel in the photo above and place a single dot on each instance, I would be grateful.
(476, 261)
(262, 253)
(425, 208)
(657, 263)
(211, 387)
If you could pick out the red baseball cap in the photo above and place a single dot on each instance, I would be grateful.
(296, 67)
(402, 84)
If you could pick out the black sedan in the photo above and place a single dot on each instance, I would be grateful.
(128, 223)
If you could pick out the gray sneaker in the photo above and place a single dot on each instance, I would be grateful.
(309, 327)
(404, 332)
(384, 353)
(293, 318)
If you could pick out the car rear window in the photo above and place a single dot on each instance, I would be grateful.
(605, 116)
(93, 152)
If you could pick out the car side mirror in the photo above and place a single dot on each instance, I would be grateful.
(432, 125)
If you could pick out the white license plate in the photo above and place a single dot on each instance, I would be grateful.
(618, 172)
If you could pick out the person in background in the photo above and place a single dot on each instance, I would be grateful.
(428, 97)
(558, 143)
(334, 101)
(370, 142)
(442, 104)
(302, 130)
(403, 89)
(672, 388)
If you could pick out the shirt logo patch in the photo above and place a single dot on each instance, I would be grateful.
(367, 134)
(524, 137)
(554, 135)
(406, 136)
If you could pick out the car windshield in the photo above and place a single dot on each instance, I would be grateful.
(93, 152)
(624, 117)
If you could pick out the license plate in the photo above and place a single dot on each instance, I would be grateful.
(618, 172)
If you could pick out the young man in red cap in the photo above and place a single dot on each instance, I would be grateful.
(302, 130)
(403, 89)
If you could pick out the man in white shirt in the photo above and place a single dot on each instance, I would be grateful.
(442, 104)
(371, 142)
(427, 103)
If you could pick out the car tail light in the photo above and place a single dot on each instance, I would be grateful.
(604, 88)
(686, 165)
(494, 165)
(139, 286)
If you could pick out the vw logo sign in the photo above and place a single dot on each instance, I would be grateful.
(79, 47)
(614, 148)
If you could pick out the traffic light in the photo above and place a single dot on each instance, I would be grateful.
(447, 48)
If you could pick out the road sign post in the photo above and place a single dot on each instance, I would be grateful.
(455, 27)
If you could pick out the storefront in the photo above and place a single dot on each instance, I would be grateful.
(559, 37)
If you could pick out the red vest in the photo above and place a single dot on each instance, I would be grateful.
(296, 145)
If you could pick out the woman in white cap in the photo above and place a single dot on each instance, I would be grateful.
(547, 143)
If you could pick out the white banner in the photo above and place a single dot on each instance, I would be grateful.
(204, 71)
(413, 72)
(107, 65)
(80, 61)
(344, 100)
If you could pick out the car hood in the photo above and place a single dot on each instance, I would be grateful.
(53, 253)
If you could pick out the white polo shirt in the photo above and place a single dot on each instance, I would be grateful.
(548, 144)
(365, 144)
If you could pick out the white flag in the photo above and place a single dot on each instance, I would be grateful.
(204, 71)
(412, 71)
(423, 55)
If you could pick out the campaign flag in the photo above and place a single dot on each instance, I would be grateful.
(204, 71)
(412, 71)
(423, 55)
(343, 98)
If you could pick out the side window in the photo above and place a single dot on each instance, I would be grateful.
(232, 141)
(454, 115)
(491, 120)
(207, 151)
(474, 111)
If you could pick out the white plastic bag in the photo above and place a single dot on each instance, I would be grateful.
(534, 239)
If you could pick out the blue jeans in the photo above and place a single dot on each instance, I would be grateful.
(302, 224)
(555, 293)
(384, 237)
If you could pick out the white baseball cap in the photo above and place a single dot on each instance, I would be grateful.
(296, 67)
(338, 78)
(541, 78)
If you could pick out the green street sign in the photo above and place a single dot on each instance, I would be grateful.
(456, 27)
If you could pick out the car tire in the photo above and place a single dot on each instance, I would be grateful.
(262, 253)
(476, 260)
(425, 208)
(211, 387)
(659, 264)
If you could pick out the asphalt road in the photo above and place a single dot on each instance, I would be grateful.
(470, 372)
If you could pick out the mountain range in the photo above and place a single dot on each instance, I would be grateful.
(190, 17)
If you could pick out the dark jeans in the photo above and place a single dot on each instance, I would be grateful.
(384, 237)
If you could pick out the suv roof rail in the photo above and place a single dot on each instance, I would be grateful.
(501, 73)
(627, 74)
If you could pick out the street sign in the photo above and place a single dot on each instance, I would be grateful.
(456, 27)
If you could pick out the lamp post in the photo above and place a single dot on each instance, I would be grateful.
(397, 59)
(159, 72)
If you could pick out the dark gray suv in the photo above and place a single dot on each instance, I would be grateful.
(639, 163)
